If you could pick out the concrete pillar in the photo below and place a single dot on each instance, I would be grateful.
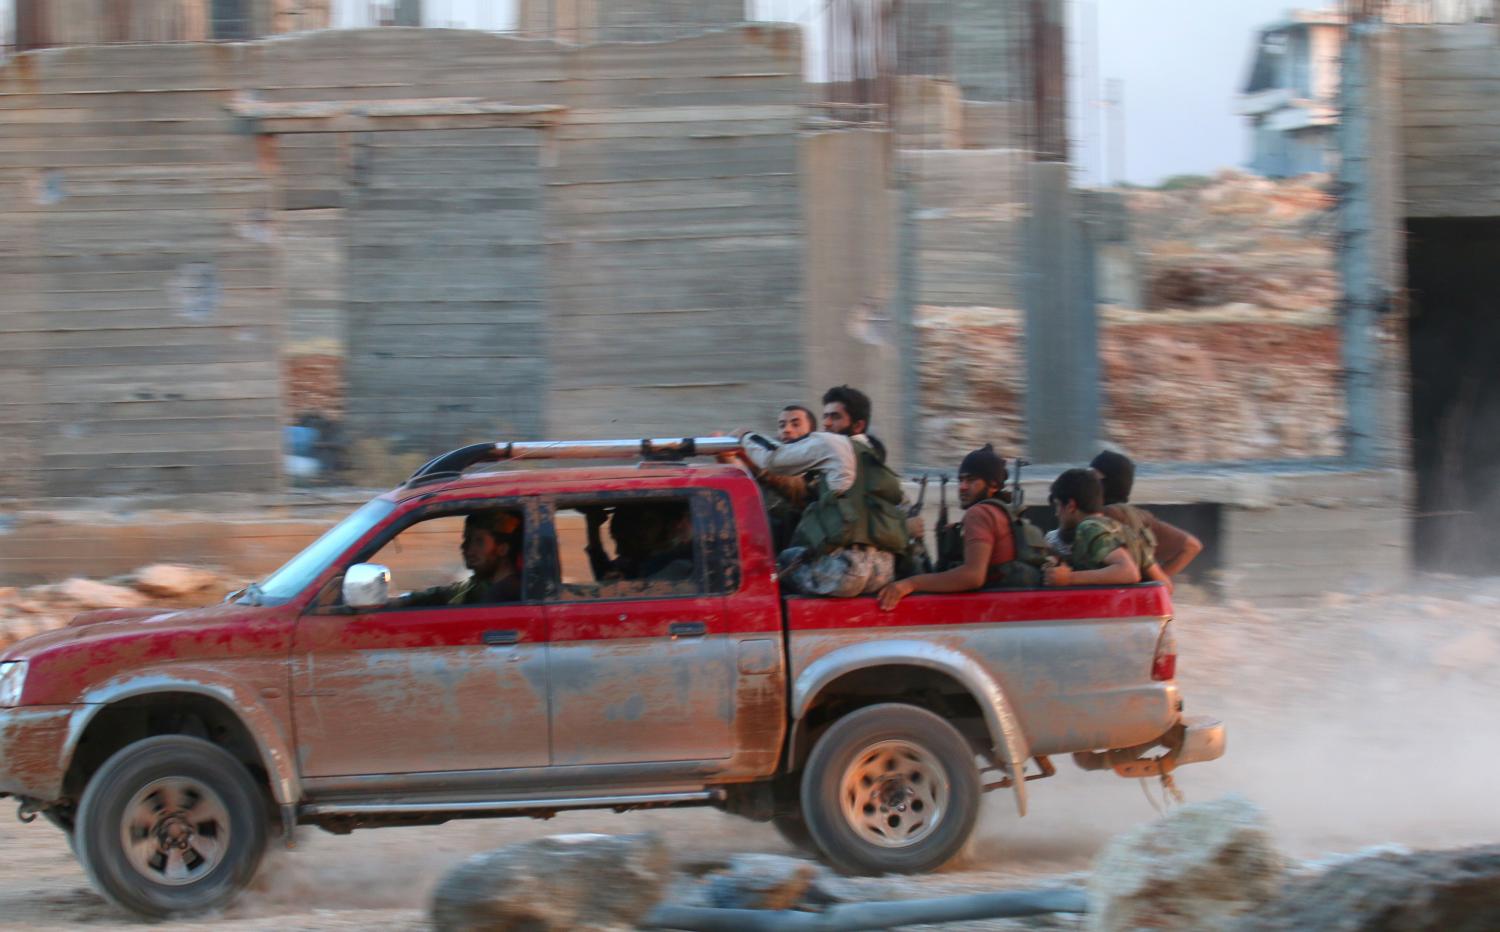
(1062, 342)
(1370, 260)
(408, 13)
(1050, 79)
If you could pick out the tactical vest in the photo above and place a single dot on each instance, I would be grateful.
(1140, 540)
(1024, 572)
(869, 513)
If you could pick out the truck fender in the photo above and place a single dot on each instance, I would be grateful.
(1009, 743)
(270, 740)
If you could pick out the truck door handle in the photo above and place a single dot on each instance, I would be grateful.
(687, 629)
(501, 638)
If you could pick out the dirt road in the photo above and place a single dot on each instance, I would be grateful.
(1354, 721)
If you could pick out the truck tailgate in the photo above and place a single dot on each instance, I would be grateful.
(1075, 664)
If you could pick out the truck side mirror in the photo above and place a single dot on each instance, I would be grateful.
(366, 585)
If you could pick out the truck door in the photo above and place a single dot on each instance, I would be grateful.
(641, 664)
(431, 687)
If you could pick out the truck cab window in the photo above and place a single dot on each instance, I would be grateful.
(625, 547)
(473, 558)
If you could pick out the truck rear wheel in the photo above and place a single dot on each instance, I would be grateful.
(890, 789)
(171, 826)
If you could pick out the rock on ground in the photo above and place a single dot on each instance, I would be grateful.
(89, 594)
(1198, 868)
(559, 883)
(172, 581)
(1424, 891)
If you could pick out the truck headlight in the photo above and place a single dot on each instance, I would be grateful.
(12, 678)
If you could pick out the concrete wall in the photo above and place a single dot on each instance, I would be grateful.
(668, 197)
(852, 330)
(142, 312)
(445, 309)
(586, 21)
(633, 263)
(969, 206)
(94, 22)
(1450, 120)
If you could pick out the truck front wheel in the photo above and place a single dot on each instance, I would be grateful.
(890, 789)
(171, 826)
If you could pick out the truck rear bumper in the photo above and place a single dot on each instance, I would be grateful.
(32, 741)
(1202, 740)
(1193, 740)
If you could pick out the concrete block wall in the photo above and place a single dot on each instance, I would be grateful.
(851, 331)
(969, 206)
(635, 266)
(1450, 120)
(142, 317)
(668, 197)
(588, 21)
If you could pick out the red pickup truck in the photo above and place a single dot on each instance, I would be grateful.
(171, 745)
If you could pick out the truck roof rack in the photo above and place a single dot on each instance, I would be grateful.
(454, 462)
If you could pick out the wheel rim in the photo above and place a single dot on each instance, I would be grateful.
(894, 794)
(175, 831)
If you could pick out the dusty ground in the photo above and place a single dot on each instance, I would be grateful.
(1353, 722)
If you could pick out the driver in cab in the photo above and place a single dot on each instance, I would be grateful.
(492, 554)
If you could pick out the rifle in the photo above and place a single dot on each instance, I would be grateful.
(942, 503)
(916, 509)
(1018, 494)
(920, 556)
(950, 547)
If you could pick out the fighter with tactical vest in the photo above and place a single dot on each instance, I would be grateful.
(1173, 547)
(847, 539)
(993, 546)
(1103, 551)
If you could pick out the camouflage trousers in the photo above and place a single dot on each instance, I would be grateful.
(841, 574)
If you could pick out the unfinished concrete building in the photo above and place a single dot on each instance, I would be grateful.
(53, 23)
(482, 236)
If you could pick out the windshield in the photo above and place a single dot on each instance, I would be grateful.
(302, 569)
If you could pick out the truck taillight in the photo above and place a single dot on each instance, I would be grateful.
(1164, 663)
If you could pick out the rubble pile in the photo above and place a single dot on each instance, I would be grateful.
(1199, 868)
(973, 381)
(1205, 387)
(1192, 386)
(1237, 355)
(36, 609)
(1237, 239)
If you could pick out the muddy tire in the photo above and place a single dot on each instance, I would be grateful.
(890, 789)
(171, 826)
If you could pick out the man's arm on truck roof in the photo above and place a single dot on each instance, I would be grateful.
(831, 454)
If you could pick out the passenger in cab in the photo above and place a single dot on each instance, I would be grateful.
(492, 553)
(653, 542)
(670, 556)
(1174, 547)
(989, 542)
(1102, 552)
